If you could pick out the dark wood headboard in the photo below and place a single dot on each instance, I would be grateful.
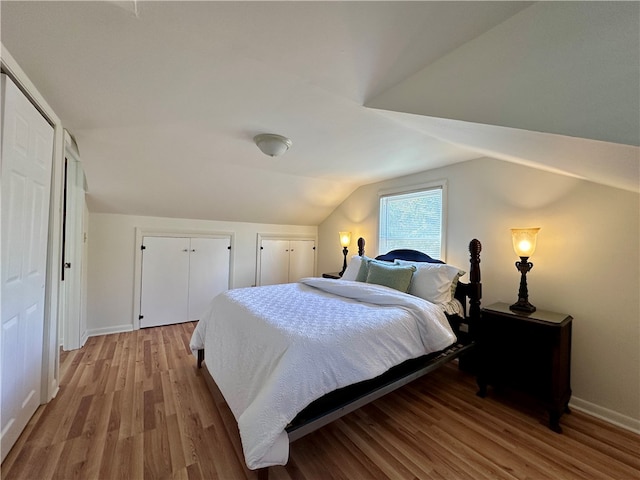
(468, 294)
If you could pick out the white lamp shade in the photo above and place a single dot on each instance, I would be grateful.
(345, 238)
(272, 144)
(524, 241)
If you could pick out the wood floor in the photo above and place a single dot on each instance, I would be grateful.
(133, 406)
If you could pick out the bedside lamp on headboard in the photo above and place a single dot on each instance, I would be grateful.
(345, 241)
(524, 244)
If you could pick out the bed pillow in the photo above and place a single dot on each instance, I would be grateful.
(433, 281)
(353, 268)
(391, 275)
(364, 269)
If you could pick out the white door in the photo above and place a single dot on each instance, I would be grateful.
(208, 272)
(27, 150)
(274, 262)
(84, 275)
(74, 205)
(165, 281)
(302, 259)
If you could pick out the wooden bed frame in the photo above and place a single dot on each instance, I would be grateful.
(345, 400)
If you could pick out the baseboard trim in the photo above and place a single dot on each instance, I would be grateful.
(109, 330)
(605, 414)
(54, 388)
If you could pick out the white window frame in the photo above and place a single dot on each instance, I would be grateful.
(437, 184)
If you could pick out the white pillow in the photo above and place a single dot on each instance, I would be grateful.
(351, 273)
(433, 281)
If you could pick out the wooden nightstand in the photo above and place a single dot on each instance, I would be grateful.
(334, 275)
(530, 352)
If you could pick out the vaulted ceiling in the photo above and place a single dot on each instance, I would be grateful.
(164, 98)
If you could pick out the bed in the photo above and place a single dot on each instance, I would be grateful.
(291, 358)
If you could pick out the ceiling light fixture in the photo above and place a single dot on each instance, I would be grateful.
(272, 144)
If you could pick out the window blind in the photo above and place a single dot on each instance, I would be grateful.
(412, 220)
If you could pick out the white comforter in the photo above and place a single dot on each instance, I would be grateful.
(273, 350)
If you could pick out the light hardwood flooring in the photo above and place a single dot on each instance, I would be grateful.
(133, 406)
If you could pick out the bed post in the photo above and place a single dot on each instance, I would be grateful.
(475, 284)
(361, 246)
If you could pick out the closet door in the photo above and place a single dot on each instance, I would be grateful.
(73, 325)
(302, 259)
(208, 272)
(274, 262)
(165, 281)
(27, 149)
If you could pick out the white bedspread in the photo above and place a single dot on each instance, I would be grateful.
(273, 350)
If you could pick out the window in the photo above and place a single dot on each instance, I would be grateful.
(413, 219)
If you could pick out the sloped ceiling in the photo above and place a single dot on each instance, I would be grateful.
(555, 87)
(164, 98)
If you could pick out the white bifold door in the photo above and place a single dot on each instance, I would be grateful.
(27, 149)
(285, 261)
(180, 277)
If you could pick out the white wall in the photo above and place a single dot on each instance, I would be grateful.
(586, 264)
(112, 248)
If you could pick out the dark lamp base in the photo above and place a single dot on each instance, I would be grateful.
(522, 306)
(344, 263)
